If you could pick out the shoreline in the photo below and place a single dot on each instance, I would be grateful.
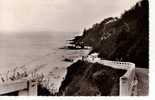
(54, 74)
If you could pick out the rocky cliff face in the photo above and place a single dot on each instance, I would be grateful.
(87, 79)
(122, 39)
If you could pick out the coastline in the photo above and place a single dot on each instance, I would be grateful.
(54, 69)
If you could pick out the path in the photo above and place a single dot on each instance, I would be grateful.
(143, 81)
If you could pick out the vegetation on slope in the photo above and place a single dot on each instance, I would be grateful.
(123, 39)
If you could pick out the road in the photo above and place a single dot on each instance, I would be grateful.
(143, 81)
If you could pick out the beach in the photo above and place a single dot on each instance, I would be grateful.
(38, 51)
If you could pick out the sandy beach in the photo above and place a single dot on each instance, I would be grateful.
(39, 53)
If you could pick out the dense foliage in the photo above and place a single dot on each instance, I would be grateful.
(124, 39)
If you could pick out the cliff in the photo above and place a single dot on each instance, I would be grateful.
(88, 79)
(121, 39)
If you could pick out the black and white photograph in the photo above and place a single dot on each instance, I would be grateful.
(74, 48)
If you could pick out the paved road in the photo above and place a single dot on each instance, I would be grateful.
(143, 81)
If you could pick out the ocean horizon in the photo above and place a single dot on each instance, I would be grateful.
(29, 48)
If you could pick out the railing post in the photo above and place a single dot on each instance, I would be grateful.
(124, 86)
(33, 88)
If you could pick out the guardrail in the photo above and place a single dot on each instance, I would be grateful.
(22, 87)
(128, 82)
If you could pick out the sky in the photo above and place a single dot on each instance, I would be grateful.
(57, 15)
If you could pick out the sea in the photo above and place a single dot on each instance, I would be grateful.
(41, 51)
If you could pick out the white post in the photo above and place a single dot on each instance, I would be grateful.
(124, 86)
(33, 89)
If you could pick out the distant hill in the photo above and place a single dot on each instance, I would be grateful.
(123, 39)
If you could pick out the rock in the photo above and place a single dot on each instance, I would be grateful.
(68, 60)
(88, 79)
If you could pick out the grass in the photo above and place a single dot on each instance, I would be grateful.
(45, 86)
(14, 74)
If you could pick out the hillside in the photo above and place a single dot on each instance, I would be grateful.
(88, 79)
(121, 39)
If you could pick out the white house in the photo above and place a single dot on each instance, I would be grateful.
(93, 58)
